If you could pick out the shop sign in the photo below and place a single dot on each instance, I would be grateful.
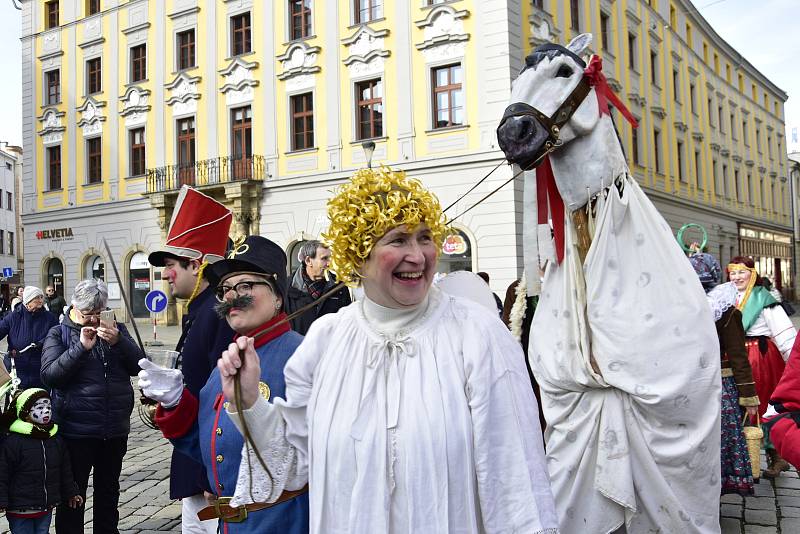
(141, 284)
(454, 244)
(56, 234)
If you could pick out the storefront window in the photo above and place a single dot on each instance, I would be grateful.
(95, 268)
(55, 275)
(139, 283)
(456, 253)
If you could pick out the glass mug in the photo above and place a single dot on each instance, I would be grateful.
(163, 358)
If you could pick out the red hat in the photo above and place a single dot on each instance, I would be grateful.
(198, 229)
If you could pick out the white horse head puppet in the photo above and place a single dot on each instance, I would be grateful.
(622, 342)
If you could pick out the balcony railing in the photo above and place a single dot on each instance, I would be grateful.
(225, 169)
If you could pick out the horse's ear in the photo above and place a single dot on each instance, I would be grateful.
(580, 43)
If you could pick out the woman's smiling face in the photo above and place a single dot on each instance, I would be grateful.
(399, 270)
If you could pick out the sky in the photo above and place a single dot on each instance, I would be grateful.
(765, 32)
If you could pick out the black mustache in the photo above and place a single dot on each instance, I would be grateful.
(223, 308)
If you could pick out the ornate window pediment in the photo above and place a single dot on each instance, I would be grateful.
(298, 60)
(91, 120)
(365, 51)
(444, 34)
(135, 105)
(52, 130)
(239, 81)
(184, 94)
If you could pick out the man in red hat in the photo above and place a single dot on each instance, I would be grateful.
(197, 237)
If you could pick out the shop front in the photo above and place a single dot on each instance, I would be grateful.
(772, 253)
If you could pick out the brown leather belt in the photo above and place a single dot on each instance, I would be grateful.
(220, 509)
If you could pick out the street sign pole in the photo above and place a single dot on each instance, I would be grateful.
(156, 302)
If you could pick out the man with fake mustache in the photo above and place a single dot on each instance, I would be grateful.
(250, 287)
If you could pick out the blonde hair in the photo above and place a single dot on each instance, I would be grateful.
(373, 202)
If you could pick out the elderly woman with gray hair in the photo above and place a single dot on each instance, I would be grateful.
(88, 362)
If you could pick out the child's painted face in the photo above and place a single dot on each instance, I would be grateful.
(41, 412)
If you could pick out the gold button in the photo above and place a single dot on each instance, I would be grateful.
(226, 404)
(219, 431)
(220, 458)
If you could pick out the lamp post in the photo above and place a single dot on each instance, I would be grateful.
(369, 148)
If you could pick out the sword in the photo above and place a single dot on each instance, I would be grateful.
(124, 296)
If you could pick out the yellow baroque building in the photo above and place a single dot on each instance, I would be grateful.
(267, 106)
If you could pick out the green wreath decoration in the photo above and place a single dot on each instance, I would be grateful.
(685, 227)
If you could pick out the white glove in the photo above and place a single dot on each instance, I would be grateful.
(160, 384)
(770, 411)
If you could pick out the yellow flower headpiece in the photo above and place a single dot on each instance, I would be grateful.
(373, 202)
(750, 283)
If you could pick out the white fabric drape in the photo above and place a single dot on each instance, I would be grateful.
(636, 444)
(432, 430)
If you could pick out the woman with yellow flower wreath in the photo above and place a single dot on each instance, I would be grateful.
(770, 336)
(407, 411)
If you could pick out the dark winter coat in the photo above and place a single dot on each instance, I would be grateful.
(297, 297)
(204, 336)
(91, 391)
(23, 328)
(35, 474)
(55, 304)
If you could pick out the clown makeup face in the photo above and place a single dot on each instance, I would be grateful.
(41, 412)
(740, 278)
(399, 269)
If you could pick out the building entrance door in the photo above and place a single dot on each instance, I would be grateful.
(139, 284)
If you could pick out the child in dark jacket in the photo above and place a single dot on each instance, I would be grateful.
(35, 471)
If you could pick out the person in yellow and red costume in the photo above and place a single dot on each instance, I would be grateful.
(770, 336)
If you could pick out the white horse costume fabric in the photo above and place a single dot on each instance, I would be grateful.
(623, 344)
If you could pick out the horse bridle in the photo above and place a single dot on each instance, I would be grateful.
(552, 124)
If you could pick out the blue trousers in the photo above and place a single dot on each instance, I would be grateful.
(38, 525)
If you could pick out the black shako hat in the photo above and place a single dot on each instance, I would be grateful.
(257, 255)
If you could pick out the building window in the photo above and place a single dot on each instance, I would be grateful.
(186, 152)
(737, 186)
(53, 82)
(302, 121)
(9, 201)
(697, 176)
(769, 146)
(725, 184)
(744, 132)
(575, 15)
(710, 115)
(94, 173)
(367, 10)
(750, 189)
(369, 108)
(242, 142)
(679, 150)
(635, 146)
(761, 192)
(11, 243)
(705, 52)
(448, 96)
(51, 14)
(2, 241)
(604, 24)
(758, 140)
(721, 120)
(137, 152)
(657, 150)
(92, 7)
(300, 11)
(689, 35)
(733, 127)
(539, 4)
(138, 63)
(673, 18)
(186, 57)
(691, 99)
(715, 177)
(53, 168)
(631, 51)
(93, 76)
(240, 34)
(654, 68)
(676, 84)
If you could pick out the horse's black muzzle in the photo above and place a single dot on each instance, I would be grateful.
(521, 135)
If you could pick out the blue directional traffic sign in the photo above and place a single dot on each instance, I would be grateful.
(156, 301)
(8, 272)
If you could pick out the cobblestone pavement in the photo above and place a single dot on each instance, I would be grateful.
(145, 506)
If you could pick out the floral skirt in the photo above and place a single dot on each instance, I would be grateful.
(737, 475)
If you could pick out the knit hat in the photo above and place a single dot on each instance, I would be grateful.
(22, 425)
(30, 293)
